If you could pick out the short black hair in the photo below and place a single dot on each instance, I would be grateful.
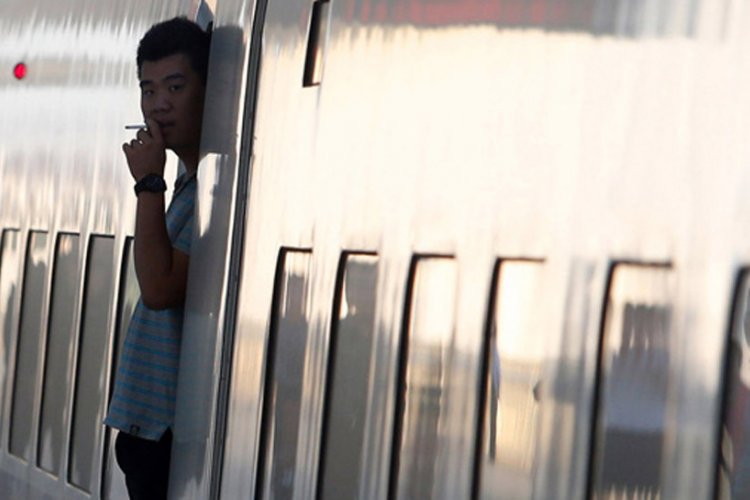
(176, 36)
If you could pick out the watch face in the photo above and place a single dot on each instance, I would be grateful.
(154, 183)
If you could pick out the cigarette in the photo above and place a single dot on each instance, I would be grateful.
(134, 127)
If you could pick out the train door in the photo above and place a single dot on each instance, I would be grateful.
(210, 307)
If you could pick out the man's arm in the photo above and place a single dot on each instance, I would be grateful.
(161, 269)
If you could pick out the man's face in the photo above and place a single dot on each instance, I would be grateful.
(172, 94)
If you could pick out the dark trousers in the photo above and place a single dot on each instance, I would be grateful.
(145, 464)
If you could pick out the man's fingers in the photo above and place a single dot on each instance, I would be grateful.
(143, 135)
(146, 152)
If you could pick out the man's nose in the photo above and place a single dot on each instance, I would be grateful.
(162, 101)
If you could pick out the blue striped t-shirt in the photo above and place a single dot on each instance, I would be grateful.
(145, 385)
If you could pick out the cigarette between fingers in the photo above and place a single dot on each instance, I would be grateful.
(134, 127)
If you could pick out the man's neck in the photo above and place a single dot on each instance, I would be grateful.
(190, 160)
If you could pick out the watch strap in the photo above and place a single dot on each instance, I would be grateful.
(151, 183)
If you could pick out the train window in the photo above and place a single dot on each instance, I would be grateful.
(316, 38)
(348, 377)
(114, 481)
(9, 271)
(633, 384)
(92, 350)
(733, 480)
(287, 346)
(514, 358)
(60, 337)
(425, 348)
(28, 348)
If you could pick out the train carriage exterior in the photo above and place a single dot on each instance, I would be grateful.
(443, 249)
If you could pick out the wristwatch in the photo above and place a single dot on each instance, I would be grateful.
(151, 183)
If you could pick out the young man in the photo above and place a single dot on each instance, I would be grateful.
(172, 66)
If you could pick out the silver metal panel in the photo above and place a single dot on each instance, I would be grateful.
(391, 295)
(61, 335)
(28, 348)
(10, 291)
(580, 132)
(571, 363)
(209, 308)
(261, 245)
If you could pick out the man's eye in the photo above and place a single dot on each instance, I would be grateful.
(147, 92)
(175, 88)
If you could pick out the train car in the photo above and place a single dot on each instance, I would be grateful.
(445, 249)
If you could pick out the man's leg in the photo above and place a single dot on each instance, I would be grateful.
(145, 464)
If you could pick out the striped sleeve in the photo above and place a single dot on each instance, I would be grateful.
(184, 237)
(180, 218)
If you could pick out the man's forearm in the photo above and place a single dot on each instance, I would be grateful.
(154, 254)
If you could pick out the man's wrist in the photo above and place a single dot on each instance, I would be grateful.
(150, 183)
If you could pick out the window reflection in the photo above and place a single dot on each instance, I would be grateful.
(60, 337)
(635, 382)
(513, 383)
(734, 460)
(28, 347)
(351, 350)
(429, 336)
(290, 319)
(114, 479)
(88, 399)
(9, 266)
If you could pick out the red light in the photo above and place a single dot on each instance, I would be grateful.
(19, 71)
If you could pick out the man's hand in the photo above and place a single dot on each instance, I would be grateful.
(146, 154)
